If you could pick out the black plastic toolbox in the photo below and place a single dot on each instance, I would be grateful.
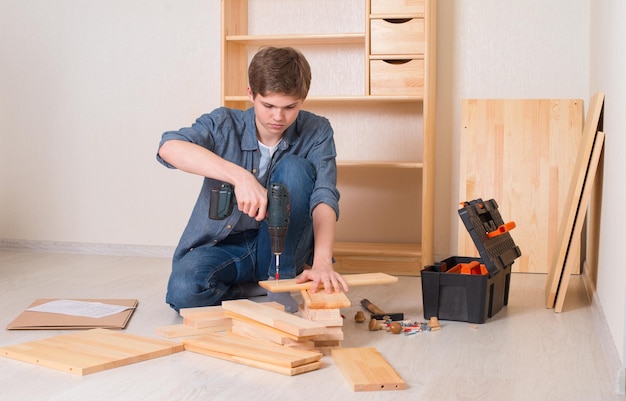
(472, 289)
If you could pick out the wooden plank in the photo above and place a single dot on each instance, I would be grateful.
(327, 317)
(580, 216)
(272, 332)
(565, 237)
(183, 330)
(520, 152)
(352, 280)
(289, 371)
(394, 265)
(366, 369)
(202, 312)
(201, 323)
(251, 349)
(284, 321)
(90, 351)
(216, 311)
(323, 300)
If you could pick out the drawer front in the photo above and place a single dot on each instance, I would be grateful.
(397, 77)
(397, 36)
(397, 7)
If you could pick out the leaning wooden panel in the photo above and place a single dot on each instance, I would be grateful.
(576, 184)
(580, 217)
(90, 351)
(366, 369)
(520, 152)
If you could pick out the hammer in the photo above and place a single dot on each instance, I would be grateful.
(378, 313)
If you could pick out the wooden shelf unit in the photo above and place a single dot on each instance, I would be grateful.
(403, 75)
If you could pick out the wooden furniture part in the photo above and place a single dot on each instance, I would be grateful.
(373, 65)
(289, 285)
(90, 351)
(256, 353)
(366, 369)
(518, 151)
(574, 211)
(579, 220)
(184, 330)
(284, 321)
(323, 300)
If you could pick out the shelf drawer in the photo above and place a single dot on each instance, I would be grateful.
(397, 7)
(397, 77)
(397, 36)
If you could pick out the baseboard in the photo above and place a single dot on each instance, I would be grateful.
(86, 248)
(604, 333)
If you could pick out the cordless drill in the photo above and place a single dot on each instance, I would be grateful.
(223, 200)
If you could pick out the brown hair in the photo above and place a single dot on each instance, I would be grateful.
(282, 70)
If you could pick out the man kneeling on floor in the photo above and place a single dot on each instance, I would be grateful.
(275, 141)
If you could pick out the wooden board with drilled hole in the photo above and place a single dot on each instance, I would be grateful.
(352, 280)
(366, 369)
(90, 351)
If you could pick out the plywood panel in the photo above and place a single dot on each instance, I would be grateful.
(520, 152)
(90, 351)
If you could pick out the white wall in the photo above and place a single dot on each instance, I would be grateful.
(87, 88)
(607, 67)
(500, 49)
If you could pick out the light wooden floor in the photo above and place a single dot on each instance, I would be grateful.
(525, 352)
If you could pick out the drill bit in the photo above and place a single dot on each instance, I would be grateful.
(277, 264)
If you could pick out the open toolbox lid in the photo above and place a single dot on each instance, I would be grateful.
(490, 234)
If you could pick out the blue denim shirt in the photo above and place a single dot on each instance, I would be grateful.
(231, 134)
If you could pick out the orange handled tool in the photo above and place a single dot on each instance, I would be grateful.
(506, 227)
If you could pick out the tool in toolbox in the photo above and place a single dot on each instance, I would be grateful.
(223, 200)
(467, 288)
(379, 314)
(473, 267)
(486, 227)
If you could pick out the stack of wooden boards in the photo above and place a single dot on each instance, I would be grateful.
(262, 335)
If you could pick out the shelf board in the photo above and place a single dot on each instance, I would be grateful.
(341, 99)
(380, 164)
(377, 249)
(312, 39)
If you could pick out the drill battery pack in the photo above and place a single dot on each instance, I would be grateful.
(471, 289)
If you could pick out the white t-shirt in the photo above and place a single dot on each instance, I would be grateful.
(266, 156)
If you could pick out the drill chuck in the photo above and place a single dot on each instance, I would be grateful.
(277, 238)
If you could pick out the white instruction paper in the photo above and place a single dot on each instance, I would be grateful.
(79, 308)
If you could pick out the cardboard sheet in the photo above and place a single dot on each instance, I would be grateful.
(29, 320)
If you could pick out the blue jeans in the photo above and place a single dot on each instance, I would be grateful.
(210, 274)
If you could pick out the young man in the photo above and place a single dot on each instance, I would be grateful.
(272, 142)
